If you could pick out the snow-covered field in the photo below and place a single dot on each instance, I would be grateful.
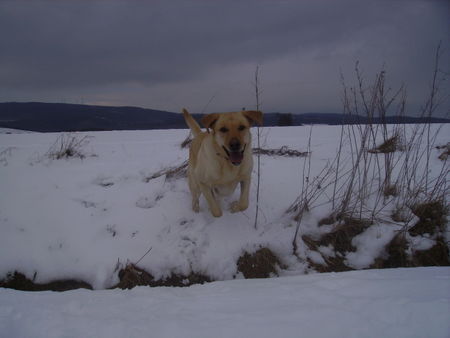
(372, 303)
(88, 218)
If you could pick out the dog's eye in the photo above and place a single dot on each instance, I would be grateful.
(223, 129)
(241, 127)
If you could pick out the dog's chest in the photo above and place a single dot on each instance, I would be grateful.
(225, 175)
(225, 190)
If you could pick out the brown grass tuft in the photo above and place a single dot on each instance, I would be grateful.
(283, 151)
(391, 145)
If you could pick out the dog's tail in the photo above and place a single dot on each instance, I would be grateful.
(195, 128)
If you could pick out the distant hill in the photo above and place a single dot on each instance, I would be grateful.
(57, 117)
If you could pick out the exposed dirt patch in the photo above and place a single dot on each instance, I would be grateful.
(132, 276)
(396, 254)
(437, 255)
(342, 235)
(261, 264)
(432, 218)
(332, 264)
(19, 281)
(400, 253)
(340, 239)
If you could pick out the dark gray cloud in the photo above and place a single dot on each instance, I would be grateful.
(169, 54)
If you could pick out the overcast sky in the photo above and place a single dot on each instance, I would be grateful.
(203, 54)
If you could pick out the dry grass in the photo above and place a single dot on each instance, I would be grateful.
(171, 173)
(187, 142)
(68, 146)
(445, 151)
(390, 145)
(283, 151)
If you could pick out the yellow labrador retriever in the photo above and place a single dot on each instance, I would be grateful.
(221, 157)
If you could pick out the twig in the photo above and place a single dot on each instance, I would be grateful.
(257, 93)
(140, 259)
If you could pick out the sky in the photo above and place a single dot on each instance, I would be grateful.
(203, 55)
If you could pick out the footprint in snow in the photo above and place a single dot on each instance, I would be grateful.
(147, 202)
(104, 181)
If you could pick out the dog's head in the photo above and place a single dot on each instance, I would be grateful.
(231, 131)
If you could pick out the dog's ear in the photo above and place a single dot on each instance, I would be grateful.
(254, 116)
(209, 120)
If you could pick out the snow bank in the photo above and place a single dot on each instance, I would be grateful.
(372, 303)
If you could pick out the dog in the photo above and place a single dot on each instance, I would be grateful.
(221, 157)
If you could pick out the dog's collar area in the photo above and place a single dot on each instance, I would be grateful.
(234, 157)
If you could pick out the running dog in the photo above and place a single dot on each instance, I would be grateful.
(221, 157)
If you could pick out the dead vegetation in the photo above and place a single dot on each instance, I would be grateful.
(381, 174)
(132, 276)
(390, 145)
(261, 264)
(171, 173)
(401, 251)
(283, 151)
(432, 218)
(187, 141)
(68, 146)
(340, 238)
(445, 151)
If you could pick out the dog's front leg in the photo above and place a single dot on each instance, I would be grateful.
(242, 204)
(214, 206)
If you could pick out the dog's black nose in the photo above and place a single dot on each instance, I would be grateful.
(235, 145)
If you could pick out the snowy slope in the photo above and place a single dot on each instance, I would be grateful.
(85, 218)
(78, 218)
(375, 303)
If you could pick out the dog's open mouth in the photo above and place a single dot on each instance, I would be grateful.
(235, 157)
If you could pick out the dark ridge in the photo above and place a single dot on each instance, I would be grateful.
(62, 117)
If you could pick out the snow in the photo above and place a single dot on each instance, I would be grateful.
(76, 218)
(85, 218)
(369, 244)
(373, 303)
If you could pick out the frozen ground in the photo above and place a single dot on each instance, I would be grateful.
(373, 303)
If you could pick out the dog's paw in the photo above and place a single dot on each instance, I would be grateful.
(237, 207)
(216, 212)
